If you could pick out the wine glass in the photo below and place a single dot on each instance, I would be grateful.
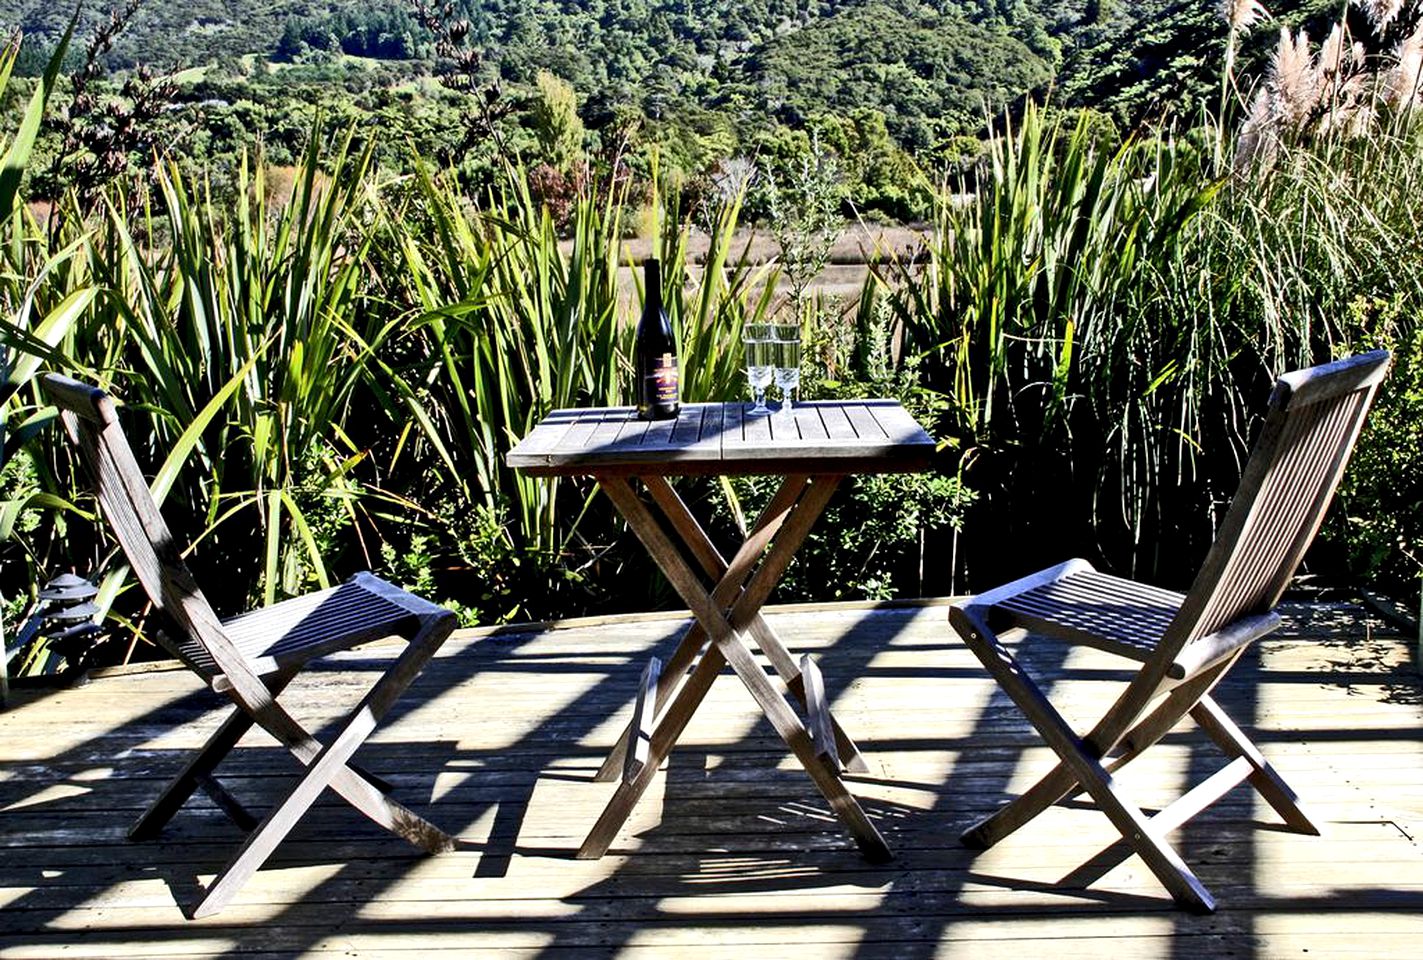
(760, 361)
(786, 342)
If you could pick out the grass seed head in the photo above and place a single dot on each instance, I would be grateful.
(1381, 12)
(1404, 84)
(1293, 79)
(1242, 14)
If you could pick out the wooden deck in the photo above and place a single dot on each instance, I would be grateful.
(733, 853)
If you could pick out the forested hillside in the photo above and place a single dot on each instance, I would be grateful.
(908, 82)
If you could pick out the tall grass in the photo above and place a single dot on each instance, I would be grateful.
(1106, 323)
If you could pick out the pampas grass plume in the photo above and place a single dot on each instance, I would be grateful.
(1405, 80)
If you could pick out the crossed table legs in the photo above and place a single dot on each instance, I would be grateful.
(724, 615)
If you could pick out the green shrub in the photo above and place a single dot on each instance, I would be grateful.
(1380, 513)
(1106, 324)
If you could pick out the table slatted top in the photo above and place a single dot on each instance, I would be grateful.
(822, 436)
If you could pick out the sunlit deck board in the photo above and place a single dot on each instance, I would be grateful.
(735, 853)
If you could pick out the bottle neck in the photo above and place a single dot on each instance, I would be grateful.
(652, 282)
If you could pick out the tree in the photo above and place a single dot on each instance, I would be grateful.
(556, 122)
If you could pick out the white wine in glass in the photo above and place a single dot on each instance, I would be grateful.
(760, 363)
(786, 345)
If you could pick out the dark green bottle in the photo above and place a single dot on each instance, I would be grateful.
(655, 353)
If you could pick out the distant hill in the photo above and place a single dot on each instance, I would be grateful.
(933, 68)
(930, 65)
(175, 32)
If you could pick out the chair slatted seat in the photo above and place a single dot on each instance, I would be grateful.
(1184, 643)
(253, 657)
(1097, 609)
(288, 634)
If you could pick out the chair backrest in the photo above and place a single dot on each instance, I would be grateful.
(1314, 417)
(91, 421)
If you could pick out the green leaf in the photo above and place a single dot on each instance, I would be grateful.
(168, 473)
(274, 544)
(37, 348)
(12, 510)
(304, 530)
(17, 158)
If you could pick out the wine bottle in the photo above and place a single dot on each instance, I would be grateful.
(656, 352)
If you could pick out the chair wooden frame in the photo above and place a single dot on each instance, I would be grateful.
(1185, 643)
(251, 658)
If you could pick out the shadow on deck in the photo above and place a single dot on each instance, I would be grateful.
(732, 852)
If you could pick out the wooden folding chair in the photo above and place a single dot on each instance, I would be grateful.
(1185, 643)
(251, 658)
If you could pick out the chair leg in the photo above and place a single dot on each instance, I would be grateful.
(1059, 784)
(327, 766)
(199, 766)
(356, 789)
(1134, 827)
(1173, 708)
(375, 780)
(181, 787)
(1178, 878)
(227, 803)
(1263, 777)
(1193, 699)
(262, 841)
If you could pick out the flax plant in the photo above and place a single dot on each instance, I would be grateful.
(261, 307)
(42, 297)
(1043, 310)
(552, 334)
(46, 303)
(510, 328)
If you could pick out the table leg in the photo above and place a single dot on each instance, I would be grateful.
(664, 736)
(673, 673)
(724, 632)
(731, 580)
(766, 638)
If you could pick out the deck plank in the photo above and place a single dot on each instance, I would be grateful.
(733, 851)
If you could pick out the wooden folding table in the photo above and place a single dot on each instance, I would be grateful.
(812, 448)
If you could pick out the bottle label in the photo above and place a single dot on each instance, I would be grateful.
(662, 381)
